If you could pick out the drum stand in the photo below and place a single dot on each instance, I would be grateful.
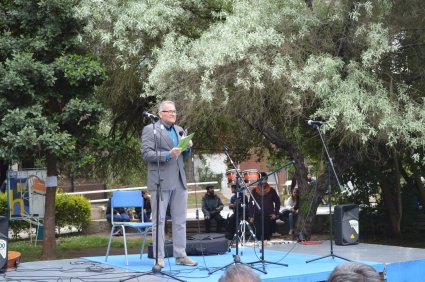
(236, 257)
(243, 224)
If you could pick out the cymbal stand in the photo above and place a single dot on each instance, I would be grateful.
(236, 257)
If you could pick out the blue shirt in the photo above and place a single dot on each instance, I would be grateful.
(173, 135)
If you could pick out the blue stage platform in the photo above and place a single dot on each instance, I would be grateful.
(397, 264)
(297, 270)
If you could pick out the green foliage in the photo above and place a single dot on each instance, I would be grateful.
(3, 204)
(262, 68)
(26, 130)
(72, 211)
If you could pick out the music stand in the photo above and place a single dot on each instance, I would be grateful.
(236, 257)
(260, 182)
(156, 269)
(331, 168)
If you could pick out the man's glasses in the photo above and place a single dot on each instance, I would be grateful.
(170, 112)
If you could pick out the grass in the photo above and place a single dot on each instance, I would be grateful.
(77, 246)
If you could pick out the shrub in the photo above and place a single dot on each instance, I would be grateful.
(72, 211)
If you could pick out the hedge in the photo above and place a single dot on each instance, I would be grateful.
(71, 211)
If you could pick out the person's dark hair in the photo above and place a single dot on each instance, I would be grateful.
(297, 198)
(209, 186)
(239, 272)
(354, 272)
(264, 176)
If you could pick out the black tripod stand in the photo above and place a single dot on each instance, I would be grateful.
(243, 223)
(261, 183)
(331, 169)
(236, 257)
(156, 269)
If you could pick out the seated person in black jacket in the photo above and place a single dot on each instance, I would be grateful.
(211, 207)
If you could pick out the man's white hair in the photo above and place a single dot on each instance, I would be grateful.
(161, 106)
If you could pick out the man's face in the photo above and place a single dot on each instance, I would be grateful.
(308, 176)
(210, 191)
(166, 116)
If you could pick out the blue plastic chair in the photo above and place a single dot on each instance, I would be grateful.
(128, 199)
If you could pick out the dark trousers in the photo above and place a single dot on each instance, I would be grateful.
(267, 226)
(291, 217)
(218, 219)
(232, 228)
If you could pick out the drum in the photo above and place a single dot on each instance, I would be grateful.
(231, 176)
(251, 175)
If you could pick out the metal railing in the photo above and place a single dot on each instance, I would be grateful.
(128, 189)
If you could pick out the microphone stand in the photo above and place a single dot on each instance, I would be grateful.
(331, 168)
(156, 269)
(260, 182)
(236, 257)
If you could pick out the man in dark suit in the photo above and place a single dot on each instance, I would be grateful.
(172, 182)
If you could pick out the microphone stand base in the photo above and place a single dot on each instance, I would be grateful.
(330, 255)
(156, 268)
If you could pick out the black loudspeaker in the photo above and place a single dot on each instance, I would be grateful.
(4, 235)
(346, 222)
(197, 245)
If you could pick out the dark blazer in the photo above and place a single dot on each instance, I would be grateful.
(172, 172)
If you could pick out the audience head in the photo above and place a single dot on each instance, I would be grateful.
(239, 272)
(264, 176)
(210, 189)
(234, 188)
(354, 272)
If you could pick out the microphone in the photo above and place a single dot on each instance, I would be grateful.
(315, 122)
(151, 116)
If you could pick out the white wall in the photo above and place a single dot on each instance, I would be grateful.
(216, 163)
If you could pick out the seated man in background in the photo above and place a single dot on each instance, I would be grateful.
(237, 201)
(120, 215)
(211, 207)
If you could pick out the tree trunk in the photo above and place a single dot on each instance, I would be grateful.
(418, 181)
(391, 190)
(49, 239)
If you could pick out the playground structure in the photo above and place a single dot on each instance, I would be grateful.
(26, 196)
